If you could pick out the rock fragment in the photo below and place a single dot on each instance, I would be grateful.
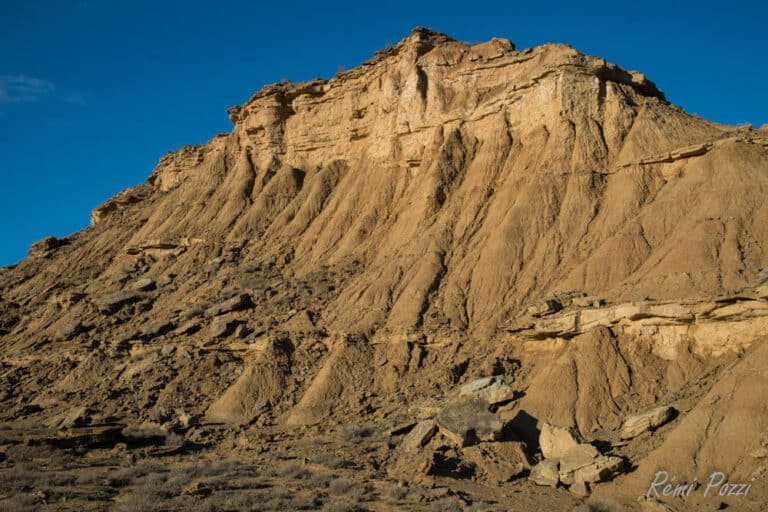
(469, 422)
(555, 441)
(577, 457)
(69, 330)
(498, 462)
(602, 469)
(236, 303)
(493, 390)
(418, 436)
(114, 301)
(223, 328)
(650, 420)
(545, 473)
(143, 284)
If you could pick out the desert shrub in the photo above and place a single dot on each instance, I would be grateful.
(19, 476)
(292, 470)
(18, 503)
(396, 493)
(592, 506)
(328, 459)
(356, 432)
(340, 486)
(139, 502)
(345, 504)
(447, 505)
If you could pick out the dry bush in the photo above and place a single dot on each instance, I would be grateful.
(340, 486)
(396, 493)
(292, 470)
(18, 503)
(328, 460)
(19, 476)
(344, 504)
(592, 506)
(447, 505)
(355, 433)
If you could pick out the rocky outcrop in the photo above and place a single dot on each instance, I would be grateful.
(714, 327)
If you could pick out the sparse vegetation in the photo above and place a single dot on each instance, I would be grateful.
(356, 432)
(592, 506)
(340, 486)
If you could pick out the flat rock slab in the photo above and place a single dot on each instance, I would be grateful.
(577, 457)
(602, 469)
(418, 436)
(114, 301)
(143, 284)
(157, 328)
(223, 328)
(236, 303)
(491, 389)
(91, 436)
(635, 425)
(469, 422)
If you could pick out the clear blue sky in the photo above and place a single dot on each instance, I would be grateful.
(93, 92)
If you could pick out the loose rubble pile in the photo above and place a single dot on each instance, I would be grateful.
(465, 438)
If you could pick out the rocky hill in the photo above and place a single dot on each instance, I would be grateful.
(436, 280)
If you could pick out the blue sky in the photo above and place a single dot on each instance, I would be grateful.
(92, 92)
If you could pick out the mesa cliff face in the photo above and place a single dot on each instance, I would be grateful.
(468, 180)
(356, 245)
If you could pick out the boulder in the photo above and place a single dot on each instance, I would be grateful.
(156, 328)
(418, 436)
(165, 280)
(236, 303)
(635, 425)
(189, 327)
(86, 436)
(469, 422)
(69, 330)
(602, 469)
(114, 301)
(555, 441)
(498, 462)
(491, 389)
(579, 488)
(191, 311)
(143, 284)
(75, 417)
(223, 328)
(476, 385)
(577, 457)
(545, 473)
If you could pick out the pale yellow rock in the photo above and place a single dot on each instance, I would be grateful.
(635, 425)
(555, 441)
